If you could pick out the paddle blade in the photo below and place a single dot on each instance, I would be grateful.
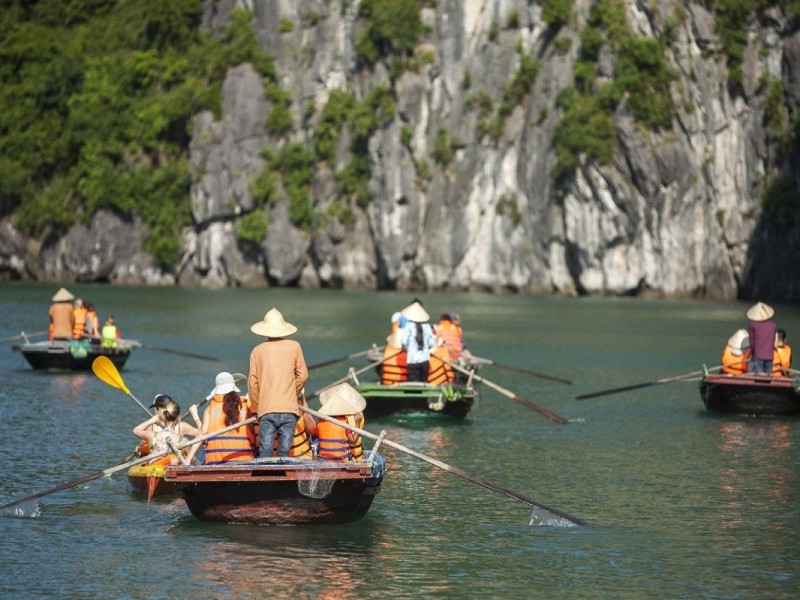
(107, 372)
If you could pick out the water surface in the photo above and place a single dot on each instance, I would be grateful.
(680, 503)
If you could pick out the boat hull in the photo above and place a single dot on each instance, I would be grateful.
(750, 394)
(279, 492)
(150, 480)
(450, 400)
(58, 356)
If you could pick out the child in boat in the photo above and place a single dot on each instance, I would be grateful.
(165, 425)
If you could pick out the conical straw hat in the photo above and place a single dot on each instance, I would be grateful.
(63, 295)
(273, 325)
(342, 399)
(414, 312)
(739, 341)
(760, 312)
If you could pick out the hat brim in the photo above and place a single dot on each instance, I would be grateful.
(416, 313)
(63, 295)
(272, 331)
(760, 312)
(224, 389)
(337, 406)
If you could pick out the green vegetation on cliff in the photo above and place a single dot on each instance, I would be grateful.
(97, 100)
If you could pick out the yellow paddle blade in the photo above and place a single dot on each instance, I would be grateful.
(107, 372)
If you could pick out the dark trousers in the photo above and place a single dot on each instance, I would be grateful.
(418, 371)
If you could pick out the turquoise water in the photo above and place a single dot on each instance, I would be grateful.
(680, 503)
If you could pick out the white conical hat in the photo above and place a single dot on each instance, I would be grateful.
(760, 312)
(63, 295)
(739, 341)
(273, 325)
(414, 312)
(342, 399)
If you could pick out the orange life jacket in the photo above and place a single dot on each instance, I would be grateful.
(439, 371)
(781, 359)
(236, 444)
(394, 369)
(301, 444)
(333, 442)
(735, 365)
(453, 338)
(80, 321)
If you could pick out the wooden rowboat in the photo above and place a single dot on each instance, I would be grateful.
(750, 394)
(275, 491)
(451, 400)
(75, 355)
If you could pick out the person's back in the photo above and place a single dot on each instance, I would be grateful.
(394, 368)
(278, 374)
(782, 355)
(338, 443)
(736, 353)
(234, 445)
(91, 327)
(451, 336)
(762, 337)
(79, 319)
(110, 333)
(62, 317)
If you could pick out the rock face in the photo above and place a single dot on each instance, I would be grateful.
(675, 212)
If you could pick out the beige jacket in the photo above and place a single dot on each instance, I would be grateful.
(277, 373)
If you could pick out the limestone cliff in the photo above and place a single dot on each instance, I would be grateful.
(674, 210)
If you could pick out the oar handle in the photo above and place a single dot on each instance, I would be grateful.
(449, 468)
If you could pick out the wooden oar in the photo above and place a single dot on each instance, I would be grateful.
(636, 386)
(107, 372)
(526, 371)
(333, 361)
(178, 352)
(515, 397)
(111, 470)
(21, 336)
(451, 469)
(359, 372)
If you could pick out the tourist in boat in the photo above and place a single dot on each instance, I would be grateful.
(164, 426)
(110, 333)
(79, 319)
(394, 368)
(336, 442)
(736, 353)
(226, 407)
(91, 327)
(397, 321)
(418, 341)
(448, 330)
(782, 356)
(278, 374)
(762, 337)
(62, 317)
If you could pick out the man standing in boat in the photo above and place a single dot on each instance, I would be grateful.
(278, 374)
(762, 337)
(62, 318)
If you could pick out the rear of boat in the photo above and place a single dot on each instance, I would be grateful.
(280, 491)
